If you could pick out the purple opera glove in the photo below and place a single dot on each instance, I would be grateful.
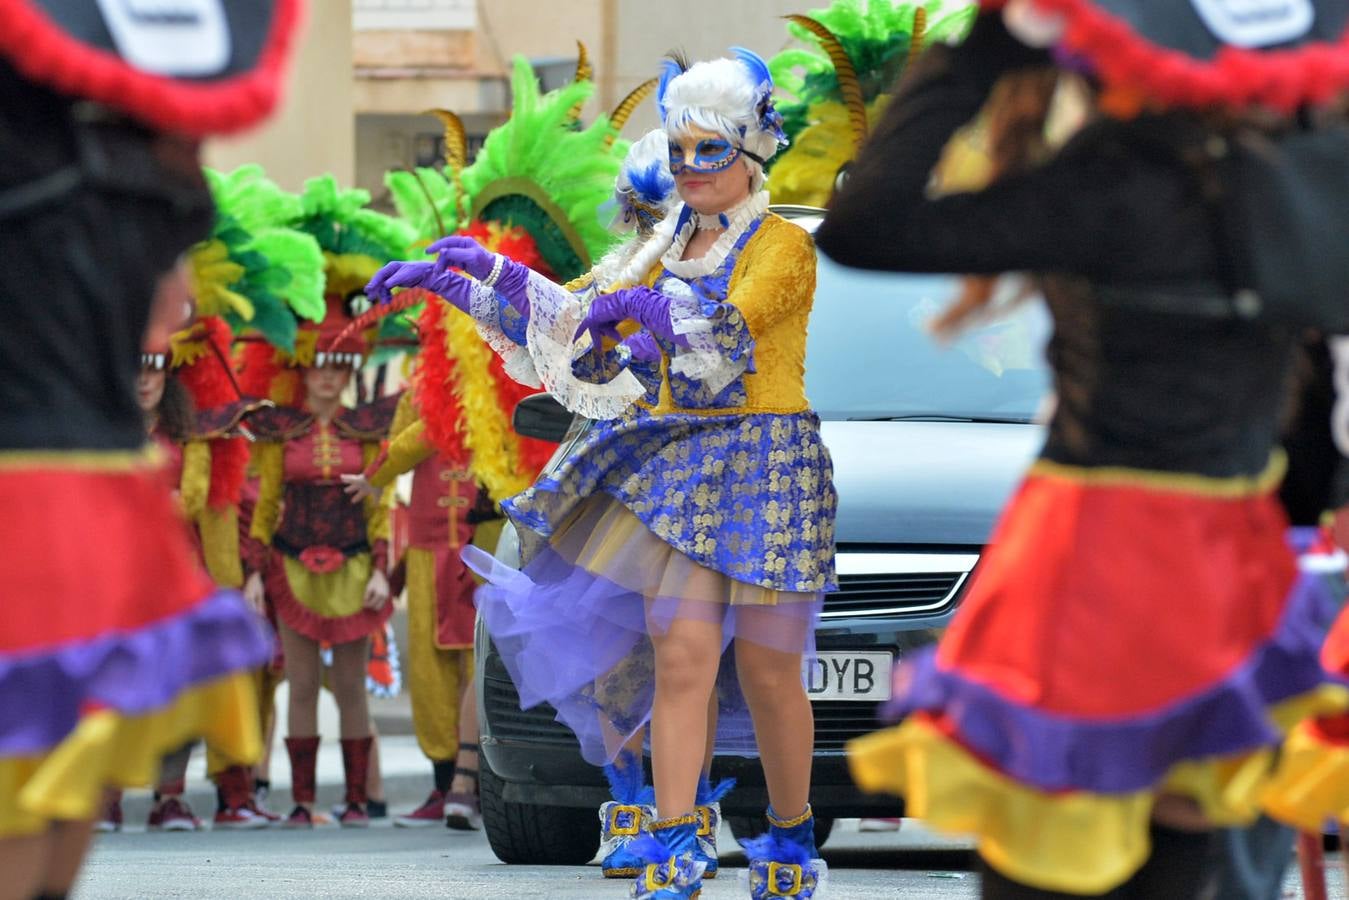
(641, 347)
(511, 278)
(648, 308)
(454, 288)
(460, 252)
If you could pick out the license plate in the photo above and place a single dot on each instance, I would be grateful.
(849, 676)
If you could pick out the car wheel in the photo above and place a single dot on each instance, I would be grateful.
(745, 827)
(529, 834)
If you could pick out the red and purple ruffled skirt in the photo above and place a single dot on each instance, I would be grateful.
(116, 647)
(1128, 635)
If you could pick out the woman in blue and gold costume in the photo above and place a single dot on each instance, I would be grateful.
(685, 546)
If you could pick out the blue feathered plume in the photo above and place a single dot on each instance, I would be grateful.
(758, 69)
(707, 794)
(671, 67)
(769, 848)
(654, 183)
(627, 782)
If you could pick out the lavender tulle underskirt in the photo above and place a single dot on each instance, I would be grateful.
(573, 628)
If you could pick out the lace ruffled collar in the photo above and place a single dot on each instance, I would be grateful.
(738, 218)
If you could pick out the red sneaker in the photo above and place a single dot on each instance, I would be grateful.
(111, 818)
(354, 816)
(173, 815)
(299, 818)
(262, 812)
(241, 819)
(427, 815)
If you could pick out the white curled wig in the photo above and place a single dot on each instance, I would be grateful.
(729, 97)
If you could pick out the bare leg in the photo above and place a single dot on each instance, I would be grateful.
(687, 657)
(784, 723)
(711, 733)
(637, 745)
(374, 781)
(303, 671)
(67, 842)
(173, 773)
(24, 861)
(467, 758)
(348, 686)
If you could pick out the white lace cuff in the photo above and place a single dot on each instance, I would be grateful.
(554, 315)
(719, 347)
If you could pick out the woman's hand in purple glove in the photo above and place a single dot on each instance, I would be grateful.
(641, 347)
(648, 308)
(460, 252)
(454, 288)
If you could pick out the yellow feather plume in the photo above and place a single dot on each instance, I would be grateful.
(848, 85)
(493, 445)
(456, 139)
(584, 72)
(623, 111)
(919, 34)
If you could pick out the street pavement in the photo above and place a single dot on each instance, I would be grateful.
(387, 862)
(436, 863)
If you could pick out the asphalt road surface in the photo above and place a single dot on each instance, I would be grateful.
(435, 863)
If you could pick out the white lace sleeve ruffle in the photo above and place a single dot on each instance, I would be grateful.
(546, 361)
(485, 308)
(704, 359)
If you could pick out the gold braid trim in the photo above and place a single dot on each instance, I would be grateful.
(690, 819)
(494, 448)
(1178, 482)
(791, 823)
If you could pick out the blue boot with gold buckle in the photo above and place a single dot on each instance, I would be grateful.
(669, 852)
(708, 810)
(624, 818)
(784, 862)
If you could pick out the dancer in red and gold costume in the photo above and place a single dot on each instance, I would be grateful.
(322, 563)
(319, 561)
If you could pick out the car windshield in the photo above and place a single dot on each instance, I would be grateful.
(870, 355)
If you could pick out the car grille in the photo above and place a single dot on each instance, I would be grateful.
(537, 725)
(897, 584)
(836, 722)
(892, 594)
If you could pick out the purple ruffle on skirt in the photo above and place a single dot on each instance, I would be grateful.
(43, 693)
(1057, 752)
(580, 640)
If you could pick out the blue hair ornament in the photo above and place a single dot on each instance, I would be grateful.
(652, 183)
(770, 120)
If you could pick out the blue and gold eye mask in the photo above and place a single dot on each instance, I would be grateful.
(709, 156)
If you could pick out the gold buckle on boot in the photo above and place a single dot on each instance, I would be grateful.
(625, 830)
(704, 814)
(655, 881)
(774, 868)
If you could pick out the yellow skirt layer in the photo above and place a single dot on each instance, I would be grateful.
(1075, 842)
(110, 750)
(1311, 783)
(333, 595)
